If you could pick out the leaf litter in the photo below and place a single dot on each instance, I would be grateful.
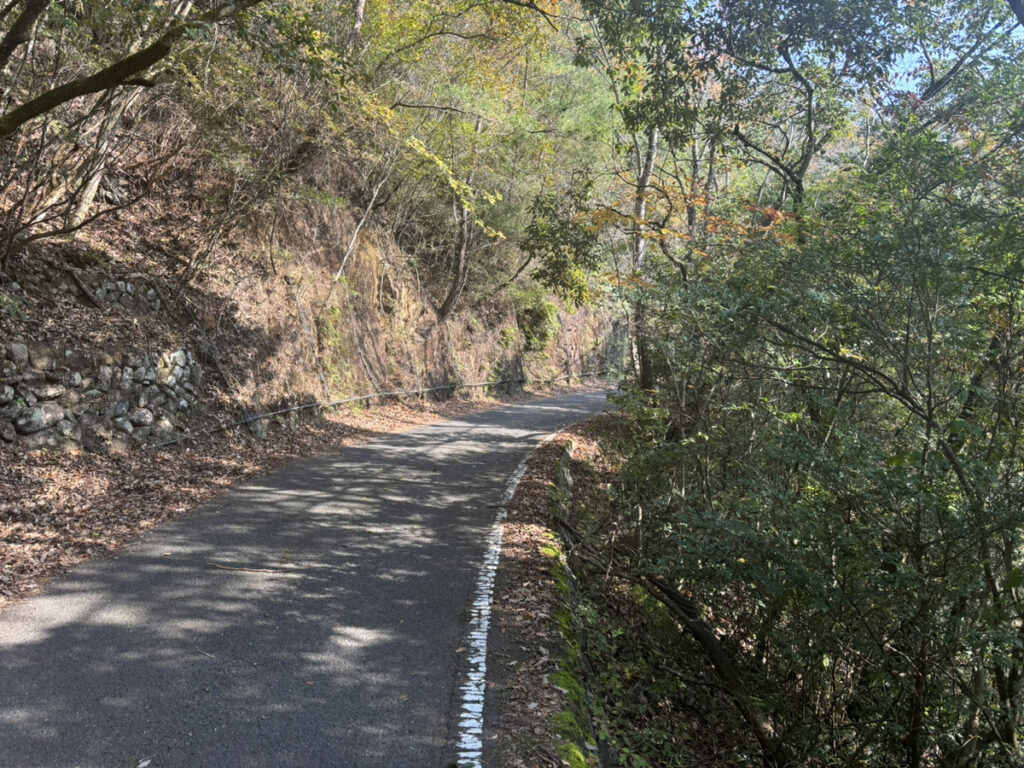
(61, 508)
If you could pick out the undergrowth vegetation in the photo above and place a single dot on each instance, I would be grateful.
(820, 497)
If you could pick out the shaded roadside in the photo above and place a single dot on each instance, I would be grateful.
(60, 509)
(309, 617)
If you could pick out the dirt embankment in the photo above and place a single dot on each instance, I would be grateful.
(166, 321)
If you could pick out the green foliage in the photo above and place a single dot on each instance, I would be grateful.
(635, 704)
(537, 318)
(11, 306)
(815, 208)
(563, 242)
(509, 337)
(828, 462)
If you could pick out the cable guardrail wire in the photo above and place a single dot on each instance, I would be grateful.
(316, 404)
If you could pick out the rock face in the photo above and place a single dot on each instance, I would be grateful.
(48, 391)
(17, 353)
(51, 397)
(38, 417)
(141, 417)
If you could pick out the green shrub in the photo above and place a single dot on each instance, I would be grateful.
(537, 318)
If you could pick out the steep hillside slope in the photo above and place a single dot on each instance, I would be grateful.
(105, 348)
(114, 372)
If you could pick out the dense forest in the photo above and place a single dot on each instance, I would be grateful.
(808, 213)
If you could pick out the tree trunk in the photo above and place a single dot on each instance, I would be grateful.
(641, 348)
(461, 266)
(122, 72)
(639, 245)
(96, 165)
(463, 221)
(357, 24)
(21, 29)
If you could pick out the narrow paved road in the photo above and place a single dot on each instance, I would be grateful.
(337, 647)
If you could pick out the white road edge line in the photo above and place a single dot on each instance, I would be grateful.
(471, 717)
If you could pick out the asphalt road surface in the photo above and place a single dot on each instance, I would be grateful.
(338, 646)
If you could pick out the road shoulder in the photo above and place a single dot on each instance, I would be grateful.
(523, 695)
(59, 509)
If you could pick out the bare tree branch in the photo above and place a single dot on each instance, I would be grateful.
(118, 73)
(531, 5)
(21, 29)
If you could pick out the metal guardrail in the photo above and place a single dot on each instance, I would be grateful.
(316, 404)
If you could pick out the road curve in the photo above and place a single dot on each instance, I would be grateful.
(337, 645)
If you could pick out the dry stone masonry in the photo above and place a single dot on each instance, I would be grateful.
(128, 294)
(51, 398)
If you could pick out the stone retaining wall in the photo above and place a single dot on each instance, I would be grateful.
(50, 398)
